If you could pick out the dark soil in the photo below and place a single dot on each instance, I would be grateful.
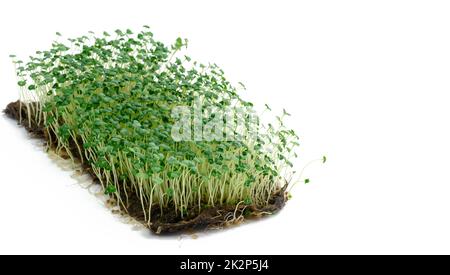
(169, 222)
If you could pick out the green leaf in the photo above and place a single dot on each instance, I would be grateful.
(103, 164)
(50, 120)
(22, 83)
(307, 181)
(248, 183)
(324, 159)
(142, 176)
(178, 43)
(156, 169)
(32, 87)
(136, 124)
(173, 175)
(87, 145)
(110, 189)
(170, 192)
(157, 180)
(58, 34)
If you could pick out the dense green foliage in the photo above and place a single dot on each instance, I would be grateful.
(112, 98)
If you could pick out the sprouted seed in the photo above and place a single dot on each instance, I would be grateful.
(108, 101)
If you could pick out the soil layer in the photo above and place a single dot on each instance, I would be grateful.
(163, 221)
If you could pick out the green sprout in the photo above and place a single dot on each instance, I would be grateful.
(110, 189)
(110, 100)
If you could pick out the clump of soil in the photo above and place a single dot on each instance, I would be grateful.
(163, 221)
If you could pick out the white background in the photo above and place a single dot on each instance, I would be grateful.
(367, 83)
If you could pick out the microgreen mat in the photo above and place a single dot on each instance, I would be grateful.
(111, 96)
